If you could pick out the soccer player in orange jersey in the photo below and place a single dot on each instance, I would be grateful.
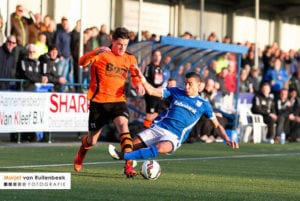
(109, 70)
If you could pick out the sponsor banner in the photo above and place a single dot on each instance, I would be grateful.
(32, 111)
(35, 180)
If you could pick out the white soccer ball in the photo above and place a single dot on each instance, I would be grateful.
(150, 169)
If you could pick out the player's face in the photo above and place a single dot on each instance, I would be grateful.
(53, 54)
(119, 46)
(191, 87)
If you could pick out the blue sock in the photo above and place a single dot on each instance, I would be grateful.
(144, 153)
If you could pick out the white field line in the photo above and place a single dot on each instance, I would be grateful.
(172, 159)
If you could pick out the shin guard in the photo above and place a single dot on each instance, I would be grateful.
(126, 142)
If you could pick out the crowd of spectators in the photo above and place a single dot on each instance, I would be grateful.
(32, 39)
(41, 50)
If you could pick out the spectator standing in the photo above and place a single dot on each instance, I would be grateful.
(221, 81)
(254, 79)
(222, 62)
(187, 67)
(75, 44)
(7, 61)
(154, 75)
(249, 60)
(291, 61)
(133, 37)
(226, 40)
(103, 37)
(266, 60)
(146, 35)
(34, 29)
(19, 28)
(63, 44)
(167, 63)
(93, 42)
(167, 67)
(245, 83)
(263, 104)
(2, 38)
(40, 45)
(28, 69)
(277, 77)
(212, 67)
(212, 37)
(295, 80)
(178, 75)
(230, 78)
(19, 25)
(46, 23)
(50, 33)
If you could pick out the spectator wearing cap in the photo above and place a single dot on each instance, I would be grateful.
(7, 61)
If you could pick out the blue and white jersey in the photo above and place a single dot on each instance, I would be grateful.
(183, 113)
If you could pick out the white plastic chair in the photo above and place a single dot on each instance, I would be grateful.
(259, 128)
(245, 124)
(252, 126)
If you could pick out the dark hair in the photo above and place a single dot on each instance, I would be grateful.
(120, 32)
(193, 75)
(155, 50)
(265, 84)
(52, 47)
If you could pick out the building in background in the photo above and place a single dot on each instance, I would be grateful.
(278, 21)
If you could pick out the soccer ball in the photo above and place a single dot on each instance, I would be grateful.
(150, 169)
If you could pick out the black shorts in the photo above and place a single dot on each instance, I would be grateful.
(102, 113)
(154, 104)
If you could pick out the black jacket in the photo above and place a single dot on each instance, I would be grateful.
(262, 105)
(48, 68)
(7, 66)
(28, 69)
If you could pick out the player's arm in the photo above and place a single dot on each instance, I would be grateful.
(91, 56)
(135, 71)
(223, 134)
(136, 81)
(158, 92)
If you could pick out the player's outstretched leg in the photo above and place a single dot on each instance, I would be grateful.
(78, 161)
(144, 153)
(114, 153)
(127, 146)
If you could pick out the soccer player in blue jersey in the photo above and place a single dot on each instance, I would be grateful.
(173, 126)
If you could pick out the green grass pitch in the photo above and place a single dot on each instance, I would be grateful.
(198, 171)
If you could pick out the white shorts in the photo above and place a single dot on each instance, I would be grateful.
(155, 134)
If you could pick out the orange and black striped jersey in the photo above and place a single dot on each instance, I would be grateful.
(108, 74)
